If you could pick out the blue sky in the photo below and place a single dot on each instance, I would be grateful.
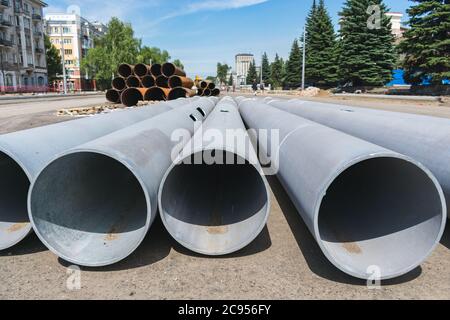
(204, 32)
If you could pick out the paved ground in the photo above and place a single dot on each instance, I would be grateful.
(284, 262)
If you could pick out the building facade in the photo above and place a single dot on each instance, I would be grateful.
(23, 65)
(243, 62)
(73, 36)
(397, 28)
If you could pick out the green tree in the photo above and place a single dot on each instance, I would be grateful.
(252, 75)
(222, 72)
(265, 69)
(117, 46)
(367, 44)
(321, 48)
(427, 43)
(230, 80)
(211, 78)
(294, 66)
(276, 72)
(150, 55)
(54, 64)
(178, 63)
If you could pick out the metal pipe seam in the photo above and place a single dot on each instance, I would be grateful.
(24, 153)
(109, 196)
(125, 70)
(169, 69)
(215, 208)
(365, 205)
(423, 138)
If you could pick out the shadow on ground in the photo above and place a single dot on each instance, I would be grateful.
(315, 259)
(445, 241)
(31, 244)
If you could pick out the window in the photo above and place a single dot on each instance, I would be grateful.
(66, 30)
(67, 41)
(69, 62)
(17, 21)
(68, 51)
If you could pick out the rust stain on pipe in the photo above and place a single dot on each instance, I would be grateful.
(180, 92)
(177, 81)
(169, 69)
(157, 94)
(130, 97)
(141, 70)
(155, 70)
(125, 70)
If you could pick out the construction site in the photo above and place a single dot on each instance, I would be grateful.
(136, 194)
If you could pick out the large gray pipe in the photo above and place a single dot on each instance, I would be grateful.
(94, 204)
(424, 138)
(365, 205)
(23, 154)
(213, 206)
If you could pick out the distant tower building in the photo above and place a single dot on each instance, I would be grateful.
(243, 61)
(396, 20)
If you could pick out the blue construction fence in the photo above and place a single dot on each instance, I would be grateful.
(399, 81)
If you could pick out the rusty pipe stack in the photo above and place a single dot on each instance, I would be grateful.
(206, 88)
(156, 82)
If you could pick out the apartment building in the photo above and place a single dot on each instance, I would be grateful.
(242, 65)
(73, 36)
(23, 65)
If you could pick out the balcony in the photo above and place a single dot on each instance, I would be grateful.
(18, 9)
(5, 4)
(5, 23)
(6, 43)
(36, 17)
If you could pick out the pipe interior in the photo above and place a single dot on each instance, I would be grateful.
(177, 93)
(125, 70)
(119, 83)
(89, 208)
(148, 82)
(168, 69)
(214, 209)
(162, 81)
(140, 70)
(131, 97)
(156, 70)
(133, 82)
(175, 82)
(113, 95)
(385, 212)
(14, 184)
(155, 94)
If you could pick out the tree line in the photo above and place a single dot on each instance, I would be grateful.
(364, 51)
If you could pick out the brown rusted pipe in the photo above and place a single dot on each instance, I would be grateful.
(141, 70)
(202, 84)
(113, 95)
(155, 70)
(162, 81)
(125, 70)
(130, 97)
(169, 69)
(156, 94)
(211, 85)
(143, 92)
(199, 92)
(119, 83)
(180, 92)
(215, 92)
(177, 81)
(133, 82)
(148, 81)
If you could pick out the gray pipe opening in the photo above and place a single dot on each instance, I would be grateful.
(214, 209)
(89, 209)
(384, 212)
(14, 184)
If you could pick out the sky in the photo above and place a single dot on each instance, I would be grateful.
(203, 32)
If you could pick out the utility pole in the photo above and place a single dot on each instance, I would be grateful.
(63, 60)
(304, 58)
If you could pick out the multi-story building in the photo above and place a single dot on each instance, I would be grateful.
(23, 65)
(243, 62)
(397, 28)
(76, 35)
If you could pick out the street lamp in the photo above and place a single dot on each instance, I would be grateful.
(304, 58)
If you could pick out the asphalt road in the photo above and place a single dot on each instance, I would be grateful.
(284, 262)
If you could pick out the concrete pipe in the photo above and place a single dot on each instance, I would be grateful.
(209, 205)
(177, 81)
(371, 210)
(141, 70)
(133, 82)
(119, 84)
(24, 153)
(157, 94)
(148, 81)
(155, 70)
(423, 138)
(94, 204)
(113, 95)
(169, 69)
(125, 70)
(180, 92)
